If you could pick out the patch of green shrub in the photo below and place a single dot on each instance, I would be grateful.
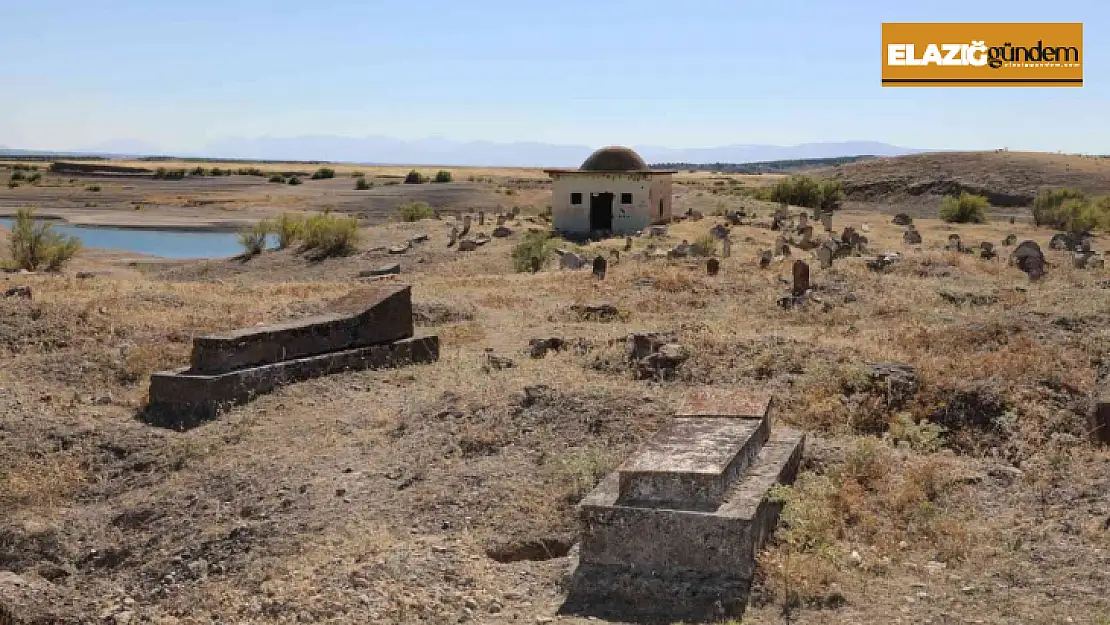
(1070, 210)
(34, 178)
(442, 176)
(198, 171)
(415, 211)
(295, 181)
(249, 171)
(169, 174)
(539, 245)
(358, 174)
(329, 235)
(253, 239)
(94, 188)
(362, 185)
(804, 191)
(415, 177)
(17, 175)
(277, 178)
(323, 173)
(216, 171)
(34, 245)
(965, 209)
(289, 229)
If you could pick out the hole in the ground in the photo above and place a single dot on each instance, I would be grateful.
(536, 550)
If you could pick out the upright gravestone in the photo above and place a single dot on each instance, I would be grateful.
(536, 264)
(466, 226)
(1011, 239)
(954, 243)
(825, 254)
(780, 242)
(1030, 259)
(628, 244)
(765, 257)
(986, 250)
(801, 278)
(500, 220)
(803, 222)
(712, 266)
(826, 221)
(516, 212)
(726, 248)
(911, 237)
(454, 236)
(848, 237)
(599, 267)
(481, 218)
(902, 219)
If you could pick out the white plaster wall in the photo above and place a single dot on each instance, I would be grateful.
(627, 218)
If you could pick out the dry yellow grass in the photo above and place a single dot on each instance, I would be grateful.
(372, 496)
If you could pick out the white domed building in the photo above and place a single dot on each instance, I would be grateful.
(613, 192)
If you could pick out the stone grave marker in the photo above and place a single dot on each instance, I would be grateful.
(826, 221)
(481, 218)
(516, 212)
(628, 244)
(726, 248)
(902, 219)
(801, 278)
(600, 266)
(466, 225)
(536, 264)
(712, 266)
(911, 237)
(571, 261)
(765, 257)
(825, 255)
(986, 250)
(803, 222)
(1011, 239)
(500, 220)
(454, 236)
(954, 243)
(467, 245)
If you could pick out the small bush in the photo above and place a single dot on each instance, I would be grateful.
(329, 235)
(805, 191)
(362, 185)
(34, 178)
(34, 245)
(289, 229)
(294, 181)
(705, 245)
(415, 211)
(198, 171)
(442, 176)
(94, 188)
(966, 209)
(539, 245)
(278, 179)
(12, 184)
(17, 175)
(249, 171)
(169, 174)
(1070, 210)
(324, 173)
(253, 239)
(415, 177)
(216, 171)
(358, 174)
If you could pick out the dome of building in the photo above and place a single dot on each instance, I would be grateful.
(614, 158)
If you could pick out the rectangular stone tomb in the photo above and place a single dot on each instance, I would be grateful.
(654, 562)
(185, 397)
(691, 463)
(714, 402)
(387, 316)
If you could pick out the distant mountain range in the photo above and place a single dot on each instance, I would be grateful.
(440, 151)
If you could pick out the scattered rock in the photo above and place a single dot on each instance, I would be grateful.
(986, 250)
(911, 237)
(497, 363)
(902, 219)
(971, 299)
(418, 238)
(883, 262)
(1029, 258)
(467, 245)
(400, 249)
(1011, 239)
(501, 232)
(595, 312)
(18, 291)
(571, 261)
(765, 258)
(384, 270)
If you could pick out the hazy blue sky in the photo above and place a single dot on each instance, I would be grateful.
(680, 74)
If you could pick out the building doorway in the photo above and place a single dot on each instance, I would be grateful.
(601, 211)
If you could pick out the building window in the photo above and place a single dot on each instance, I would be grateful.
(626, 198)
(575, 198)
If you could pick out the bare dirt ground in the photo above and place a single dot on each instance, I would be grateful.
(383, 496)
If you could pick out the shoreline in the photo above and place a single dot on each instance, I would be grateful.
(199, 226)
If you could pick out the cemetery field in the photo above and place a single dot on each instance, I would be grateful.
(964, 487)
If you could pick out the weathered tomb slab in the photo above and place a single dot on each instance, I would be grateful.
(385, 315)
(691, 462)
(658, 563)
(184, 398)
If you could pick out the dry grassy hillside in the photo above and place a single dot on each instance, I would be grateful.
(420, 495)
(1008, 179)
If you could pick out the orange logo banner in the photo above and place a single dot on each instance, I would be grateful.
(982, 55)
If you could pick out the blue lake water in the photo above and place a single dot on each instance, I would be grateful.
(163, 243)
